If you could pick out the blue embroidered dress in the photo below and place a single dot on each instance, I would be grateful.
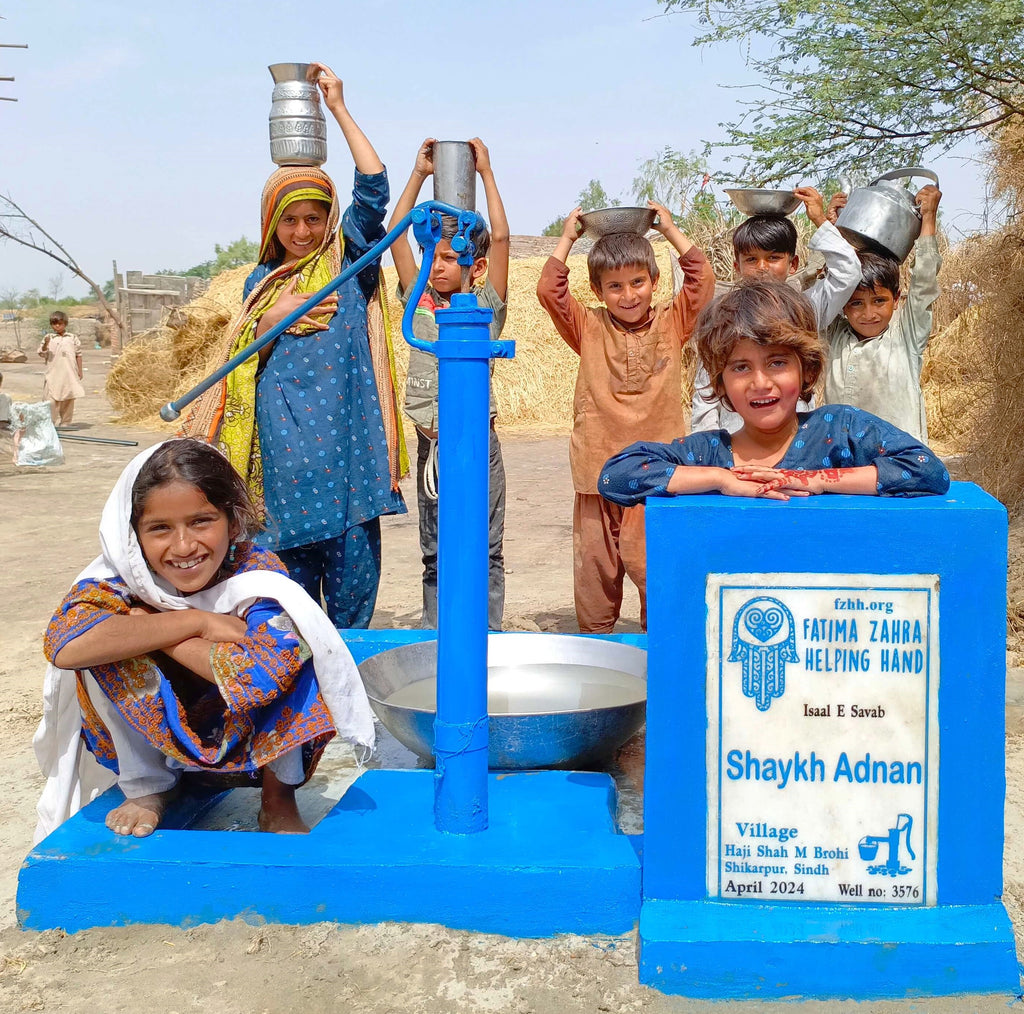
(318, 412)
(264, 703)
(834, 436)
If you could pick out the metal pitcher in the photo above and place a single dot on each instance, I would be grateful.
(883, 214)
(455, 174)
(298, 131)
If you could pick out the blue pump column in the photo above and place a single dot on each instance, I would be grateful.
(463, 351)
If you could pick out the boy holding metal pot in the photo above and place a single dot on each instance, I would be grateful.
(876, 348)
(629, 387)
(492, 255)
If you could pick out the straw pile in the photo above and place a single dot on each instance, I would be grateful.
(166, 361)
(534, 391)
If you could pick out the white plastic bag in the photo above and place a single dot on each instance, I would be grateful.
(35, 437)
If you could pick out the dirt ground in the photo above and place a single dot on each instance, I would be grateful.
(49, 533)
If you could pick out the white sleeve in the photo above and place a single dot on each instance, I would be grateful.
(704, 414)
(923, 291)
(831, 293)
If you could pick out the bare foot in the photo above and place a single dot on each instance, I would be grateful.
(279, 811)
(139, 817)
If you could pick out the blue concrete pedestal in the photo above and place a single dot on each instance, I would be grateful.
(550, 862)
(721, 950)
(694, 940)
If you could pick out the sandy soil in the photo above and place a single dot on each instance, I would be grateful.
(49, 533)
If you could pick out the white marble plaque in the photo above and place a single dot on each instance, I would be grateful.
(823, 748)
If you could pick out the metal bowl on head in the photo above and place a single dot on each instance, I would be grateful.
(764, 202)
(554, 700)
(605, 221)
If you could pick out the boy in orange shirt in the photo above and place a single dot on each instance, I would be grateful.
(629, 388)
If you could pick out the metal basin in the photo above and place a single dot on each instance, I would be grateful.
(554, 700)
(605, 221)
(764, 202)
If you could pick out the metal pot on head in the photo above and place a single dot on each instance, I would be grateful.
(455, 174)
(883, 215)
(298, 130)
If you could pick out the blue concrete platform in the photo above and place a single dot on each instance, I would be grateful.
(550, 862)
(820, 951)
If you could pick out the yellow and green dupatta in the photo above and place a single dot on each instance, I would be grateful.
(226, 414)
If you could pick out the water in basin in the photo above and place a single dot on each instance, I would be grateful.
(538, 688)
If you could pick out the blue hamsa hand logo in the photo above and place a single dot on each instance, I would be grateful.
(764, 640)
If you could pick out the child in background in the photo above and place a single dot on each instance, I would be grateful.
(62, 382)
(193, 651)
(421, 385)
(629, 387)
(760, 346)
(765, 246)
(876, 349)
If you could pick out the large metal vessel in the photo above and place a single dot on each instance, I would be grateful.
(553, 700)
(298, 130)
(883, 216)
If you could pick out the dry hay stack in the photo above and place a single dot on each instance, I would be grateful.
(166, 361)
(975, 363)
(534, 391)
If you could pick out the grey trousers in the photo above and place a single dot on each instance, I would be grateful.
(496, 535)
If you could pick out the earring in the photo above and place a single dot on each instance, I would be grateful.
(231, 553)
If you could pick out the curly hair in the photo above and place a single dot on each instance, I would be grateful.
(768, 313)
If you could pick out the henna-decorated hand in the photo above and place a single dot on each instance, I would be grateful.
(796, 481)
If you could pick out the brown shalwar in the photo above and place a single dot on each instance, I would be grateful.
(607, 543)
(629, 388)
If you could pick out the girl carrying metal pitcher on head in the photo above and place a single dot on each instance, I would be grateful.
(312, 422)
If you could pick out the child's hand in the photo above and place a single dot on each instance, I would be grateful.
(836, 204)
(425, 158)
(664, 221)
(814, 204)
(218, 627)
(928, 201)
(329, 83)
(481, 155)
(794, 481)
(571, 228)
(734, 483)
(290, 300)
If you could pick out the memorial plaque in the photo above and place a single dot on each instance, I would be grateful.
(823, 748)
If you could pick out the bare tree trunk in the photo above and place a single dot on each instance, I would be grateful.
(27, 236)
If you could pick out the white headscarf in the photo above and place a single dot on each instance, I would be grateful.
(73, 776)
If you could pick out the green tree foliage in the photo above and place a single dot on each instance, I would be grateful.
(866, 84)
(679, 181)
(591, 197)
(554, 228)
(234, 255)
(594, 196)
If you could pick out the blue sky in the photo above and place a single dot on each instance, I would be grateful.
(140, 130)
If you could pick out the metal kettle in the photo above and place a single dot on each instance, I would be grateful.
(883, 214)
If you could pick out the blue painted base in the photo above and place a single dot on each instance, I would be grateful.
(722, 950)
(550, 862)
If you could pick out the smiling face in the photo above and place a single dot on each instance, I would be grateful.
(183, 536)
(763, 384)
(627, 292)
(870, 310)
(755, 263)
(301, 229)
